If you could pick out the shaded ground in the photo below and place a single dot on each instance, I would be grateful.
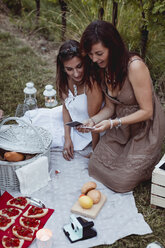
(45, 49)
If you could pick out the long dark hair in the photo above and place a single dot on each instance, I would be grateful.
(107, 34)
(68, 50)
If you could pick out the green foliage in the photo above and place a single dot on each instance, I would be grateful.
(94, 5)
(18, 65)
(11, 4)
(50, 19)
(14, 6)
(78, 17)
(153, 10)
(129, 25)
(28, 6)
(155, 52)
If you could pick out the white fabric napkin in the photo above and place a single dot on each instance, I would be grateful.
(33, 176)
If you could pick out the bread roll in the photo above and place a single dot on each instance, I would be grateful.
(95, 195)
(13, 156)
(87, 187)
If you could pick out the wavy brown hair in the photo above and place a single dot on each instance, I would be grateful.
(107, 34)
(67, 51)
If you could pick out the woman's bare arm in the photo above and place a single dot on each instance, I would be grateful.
(105, 113)
(139, 77)
(68, 145)
(66, 117)
(95, 100)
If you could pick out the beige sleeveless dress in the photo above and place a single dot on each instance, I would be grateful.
(126, 156)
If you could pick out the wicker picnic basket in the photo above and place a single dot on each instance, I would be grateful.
(24, 138)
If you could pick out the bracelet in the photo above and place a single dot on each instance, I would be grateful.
(111, 123)
(93, 121)
(119, 124)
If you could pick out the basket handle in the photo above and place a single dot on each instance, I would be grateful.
(20, 119)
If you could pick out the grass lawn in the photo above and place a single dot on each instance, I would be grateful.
(18, 65)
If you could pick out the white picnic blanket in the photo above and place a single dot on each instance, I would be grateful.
(118, 218)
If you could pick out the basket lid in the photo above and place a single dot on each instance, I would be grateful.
(24, 138)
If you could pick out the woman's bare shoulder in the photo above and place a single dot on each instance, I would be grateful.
(136, 65)
(138, 73)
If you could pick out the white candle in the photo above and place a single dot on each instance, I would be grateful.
(44, 238)
(50, 100)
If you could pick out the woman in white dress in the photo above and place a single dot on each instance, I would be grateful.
(81, 98)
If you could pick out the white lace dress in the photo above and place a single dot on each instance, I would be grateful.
(52, 120)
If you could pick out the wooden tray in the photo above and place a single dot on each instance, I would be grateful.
(92, 212)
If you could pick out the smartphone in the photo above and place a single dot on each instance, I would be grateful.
(73, 123)
(162, 166)
(90, 128)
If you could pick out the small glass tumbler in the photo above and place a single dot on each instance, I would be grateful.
(44, 238)
(21, 110)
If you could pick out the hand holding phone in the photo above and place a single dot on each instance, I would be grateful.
(79, 125)
(90, 128)
(73, 123)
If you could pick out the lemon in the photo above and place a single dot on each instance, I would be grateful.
(85, 202)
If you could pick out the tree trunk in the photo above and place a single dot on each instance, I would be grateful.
(18, 8)
(144, 34)
(63, 10)
(114, 13)
(3, 8)
(37, 11)
(144, 40)
(101, 13)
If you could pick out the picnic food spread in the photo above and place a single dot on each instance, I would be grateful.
(90, 201)
(29, 222)
(85, 201)
(8, 242)
(13, 156)
(23, 228)
(95, 195)
(91, 195)
(23, 232)
(87, 187)
(20, 202)
(35, 212)
(10, 212)
(5, 222)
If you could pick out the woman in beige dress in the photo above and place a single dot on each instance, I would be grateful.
(132, 116)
